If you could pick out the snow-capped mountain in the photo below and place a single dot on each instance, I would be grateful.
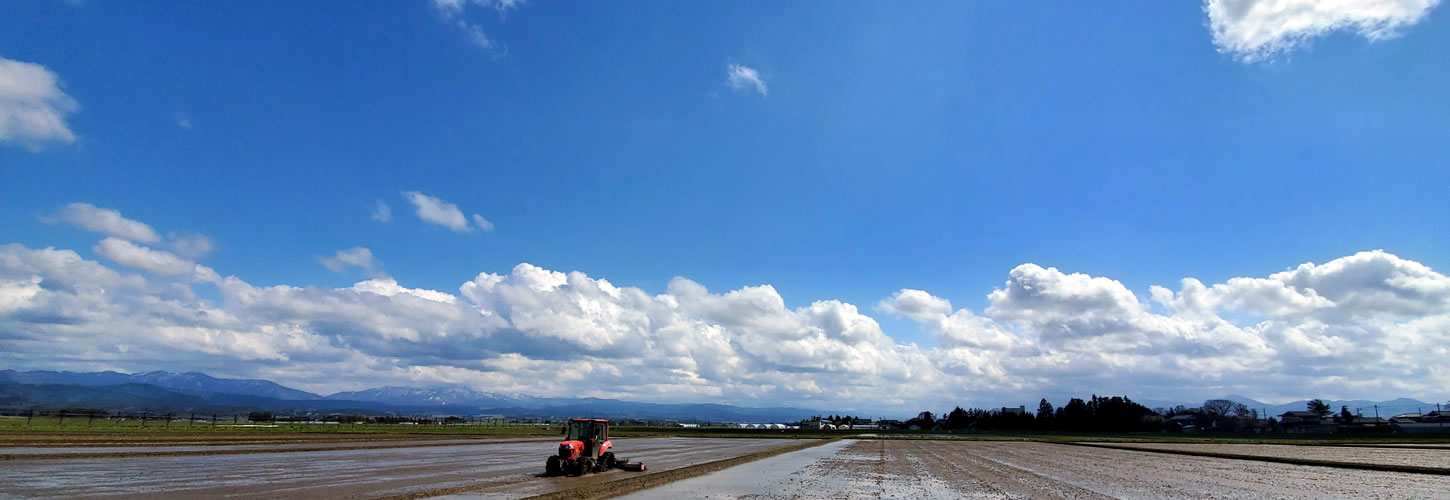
(437, 395)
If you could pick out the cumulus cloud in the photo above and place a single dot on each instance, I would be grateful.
(358, 257)
(106, 221)
(436, 211)
(745, 78)
(1254, 30)
(1375, 318)
(32, 105)
(382, 212)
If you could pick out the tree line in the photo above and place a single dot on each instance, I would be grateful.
(1094, 414)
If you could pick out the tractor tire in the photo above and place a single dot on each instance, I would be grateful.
(607, 460)
(576, 467)
(587, 465)
(552, 467)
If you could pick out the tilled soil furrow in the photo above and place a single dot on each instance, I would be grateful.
(1012, 480)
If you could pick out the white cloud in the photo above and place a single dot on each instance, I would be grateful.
(1255, 30)
(437, 211)
(32, 105)
(741, 77)
(191, 246)
(106, 221)
(183, 120)
(382, 212)
(454, 11)
(482, 223)
(359, 257)
(1373, 317)
(160, 262)
(915, 304)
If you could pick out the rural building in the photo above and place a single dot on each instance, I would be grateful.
(1305, 422)
(1435, 421)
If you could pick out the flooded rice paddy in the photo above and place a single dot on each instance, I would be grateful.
(983, 469)
(841, 469)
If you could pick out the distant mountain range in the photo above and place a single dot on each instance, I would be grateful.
(199, 392)
(1360, 406)
(184, 382)
(442, 396)
(202, 393)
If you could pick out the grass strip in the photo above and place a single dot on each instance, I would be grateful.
(198, 453)
(1413, 469)
(114, 443)
(630, 484)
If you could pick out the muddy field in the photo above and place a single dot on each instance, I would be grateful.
(509, 468)
(1356, 454)
(13, 452)
(978, 469)
(505, 470)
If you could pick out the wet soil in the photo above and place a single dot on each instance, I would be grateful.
(53, 452)
(506, 470)
(1387, 455)
(978, 469)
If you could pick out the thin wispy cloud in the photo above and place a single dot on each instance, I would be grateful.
(160, 262)
(359, 257)
(434, 210)
(104, 220)
(745, 78)
(191, 246)
(456, 12)
(382, 212)
(1257, 30)
(183, 120)
(482, 223)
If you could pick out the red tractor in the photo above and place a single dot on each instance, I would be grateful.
(587, 449)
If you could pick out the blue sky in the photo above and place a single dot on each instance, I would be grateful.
(859, 150)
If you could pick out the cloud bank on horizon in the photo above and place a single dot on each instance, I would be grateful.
(1364, 325)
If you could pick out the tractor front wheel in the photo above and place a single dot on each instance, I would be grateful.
(552, 467)
(587, 465)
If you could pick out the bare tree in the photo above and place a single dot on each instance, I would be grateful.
(1219, 408)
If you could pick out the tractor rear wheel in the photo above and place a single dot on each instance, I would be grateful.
(552, 468)
(607, 460)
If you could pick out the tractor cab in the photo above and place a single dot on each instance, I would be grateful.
(583, 429)
(586, 448)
